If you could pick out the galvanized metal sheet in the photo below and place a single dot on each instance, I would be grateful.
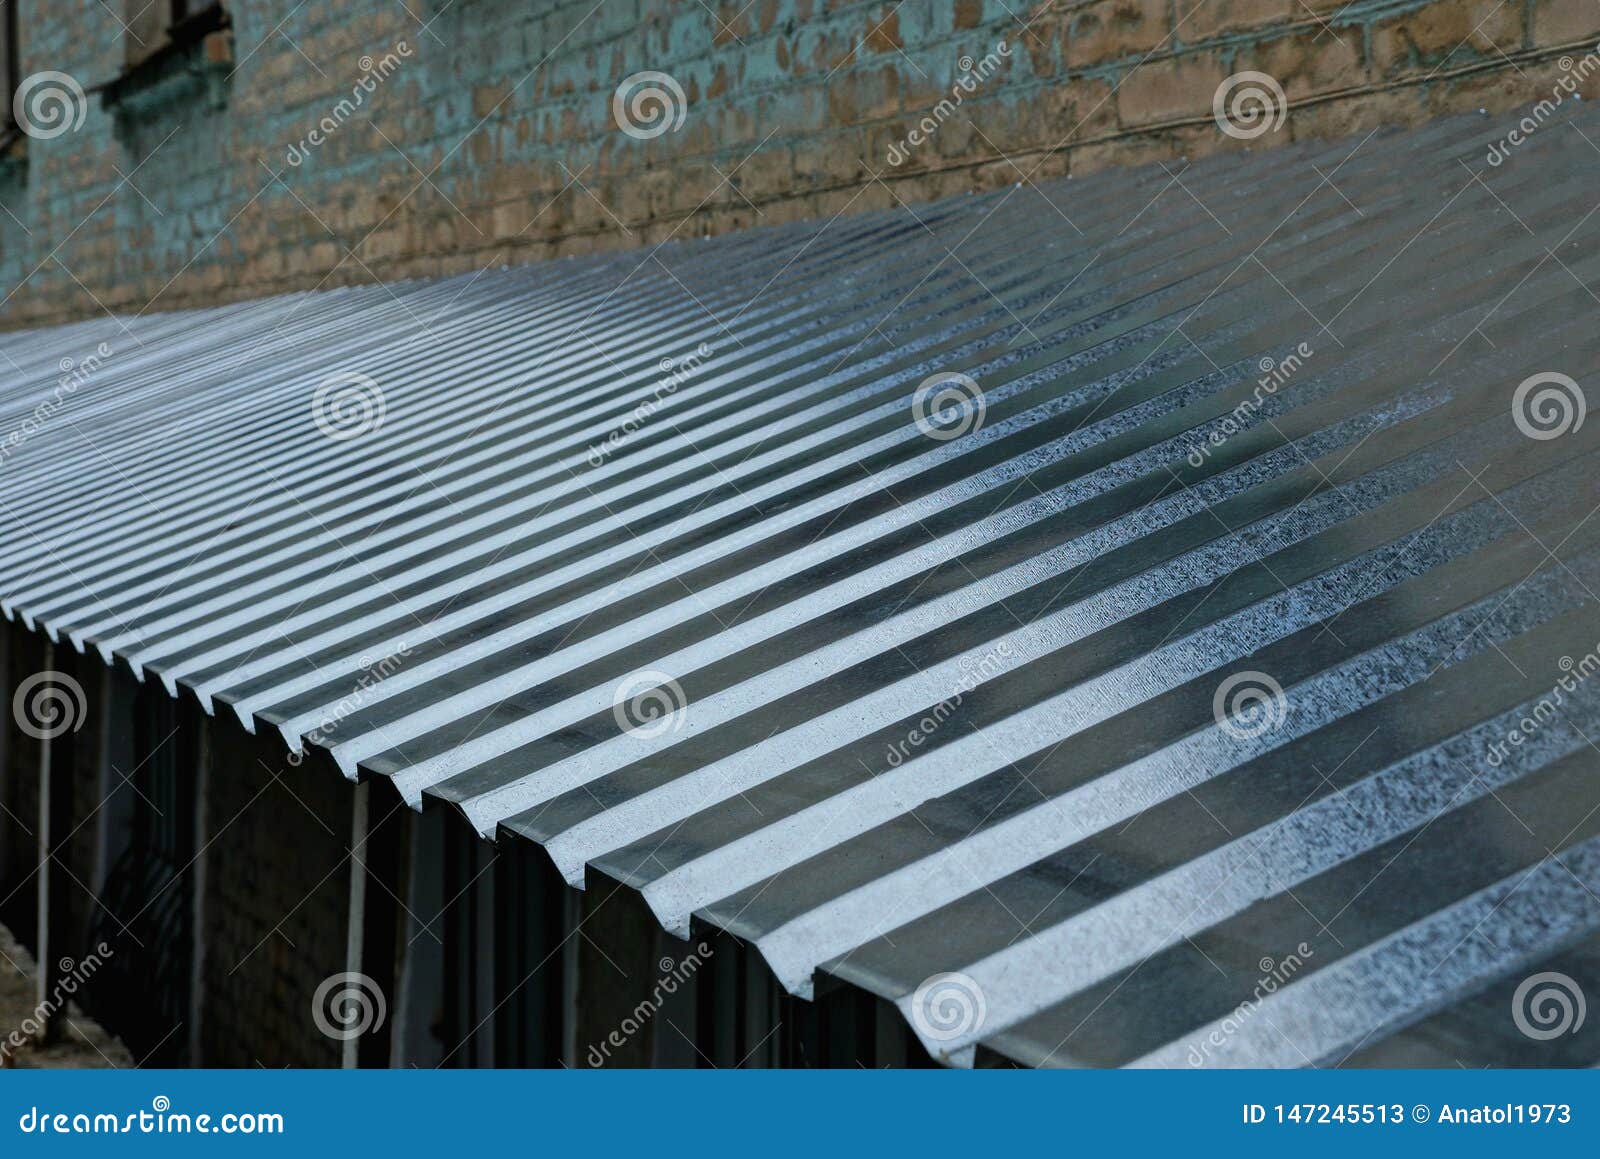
(1137, 620)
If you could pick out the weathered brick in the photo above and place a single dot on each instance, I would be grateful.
(1564, 21)
(1456, 30)
(1215, 17)
(1117, 29)
(1094, 112)
(1093, 158)
(1311, 61)
(811, 92)
(883, 33)
(1169, 88)
(1404, 106)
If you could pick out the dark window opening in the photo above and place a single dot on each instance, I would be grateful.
(10, 76)
(168, 46)
(147, 904)
(158, 26)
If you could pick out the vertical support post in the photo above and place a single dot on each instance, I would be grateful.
(358, 903)
(197, 924)
(6, 819)
(45, 955)
(105, 785)
(572, 914)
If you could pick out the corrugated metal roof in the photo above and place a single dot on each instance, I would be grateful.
(1092, 615)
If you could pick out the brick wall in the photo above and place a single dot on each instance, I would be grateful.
(491, 137)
